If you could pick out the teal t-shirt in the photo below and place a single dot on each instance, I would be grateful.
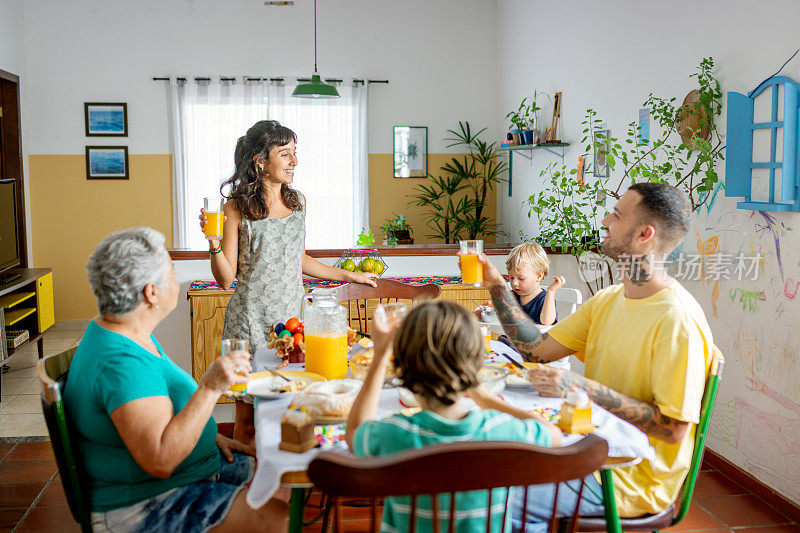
(400, 432)
(109, 370)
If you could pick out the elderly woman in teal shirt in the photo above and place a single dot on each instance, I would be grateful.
(145, 433)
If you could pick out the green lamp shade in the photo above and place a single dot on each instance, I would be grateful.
(316, 88)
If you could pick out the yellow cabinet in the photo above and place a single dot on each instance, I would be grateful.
(44, 301)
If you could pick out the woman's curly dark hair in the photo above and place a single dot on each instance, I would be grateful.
(438, 351)
(246, 184)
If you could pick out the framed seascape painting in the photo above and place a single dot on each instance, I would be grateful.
(410, 151)
(107, 163)
(106, 119)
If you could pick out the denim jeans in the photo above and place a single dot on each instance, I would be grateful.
(193, 508)
(540, 503)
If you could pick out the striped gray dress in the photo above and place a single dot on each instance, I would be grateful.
(270, 278)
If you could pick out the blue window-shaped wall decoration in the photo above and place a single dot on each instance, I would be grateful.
(782, 165)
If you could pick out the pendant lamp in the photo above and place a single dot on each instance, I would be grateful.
(316, 88)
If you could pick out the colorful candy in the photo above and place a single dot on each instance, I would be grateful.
(548, 413)
(330, 436)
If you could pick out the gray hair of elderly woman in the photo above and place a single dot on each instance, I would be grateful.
(123, 264)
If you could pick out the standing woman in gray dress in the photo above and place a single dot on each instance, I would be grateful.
(263, 245)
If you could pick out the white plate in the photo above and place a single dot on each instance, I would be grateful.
(270, 387)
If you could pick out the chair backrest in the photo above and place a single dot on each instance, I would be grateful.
(454, 467)
(707, 406)
(572, 297)
(361, 299)
(52, 372)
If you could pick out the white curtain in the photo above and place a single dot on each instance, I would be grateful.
(208, 118)
(332, 159)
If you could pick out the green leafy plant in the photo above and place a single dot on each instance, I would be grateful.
(519, 118)
(568, 209)
(442, 206)
(454, 202)
(689, 165)
(394, 228)
(365, 238)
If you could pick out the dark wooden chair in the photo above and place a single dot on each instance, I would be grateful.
(450, 468)
(361, 299)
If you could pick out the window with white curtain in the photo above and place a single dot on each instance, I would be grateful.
(208, 118)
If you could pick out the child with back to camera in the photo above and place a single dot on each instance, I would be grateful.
(438, 351)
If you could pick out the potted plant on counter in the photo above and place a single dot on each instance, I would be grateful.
(397, 230)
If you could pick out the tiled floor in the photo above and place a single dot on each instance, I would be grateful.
(20, 406)
(32, 499)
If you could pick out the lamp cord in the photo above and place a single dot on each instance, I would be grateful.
(315, 36)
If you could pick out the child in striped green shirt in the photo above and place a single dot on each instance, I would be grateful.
(438, 351)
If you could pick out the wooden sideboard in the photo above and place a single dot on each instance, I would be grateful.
(207, 312)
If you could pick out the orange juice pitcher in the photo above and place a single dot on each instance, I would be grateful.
(325, 335)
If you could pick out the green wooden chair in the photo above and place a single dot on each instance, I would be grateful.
(668, 517)
(52, 372)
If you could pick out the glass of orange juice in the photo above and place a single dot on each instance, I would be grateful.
(231, 345)
(214, 217)
(471, 266)
(487, 337)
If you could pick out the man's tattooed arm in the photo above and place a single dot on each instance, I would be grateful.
(519, 327)
(643, 415)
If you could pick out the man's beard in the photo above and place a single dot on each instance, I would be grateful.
(615, 248)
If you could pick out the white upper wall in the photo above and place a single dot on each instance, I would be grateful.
(11, 36)
(610, 55)
(437, 54)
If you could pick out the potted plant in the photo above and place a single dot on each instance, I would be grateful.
(397, 230)
(454, 202)
(532, 119)
(519, 123)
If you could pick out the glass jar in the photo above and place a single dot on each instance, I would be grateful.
(325, 335)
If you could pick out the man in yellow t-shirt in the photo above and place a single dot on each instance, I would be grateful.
(646, 346)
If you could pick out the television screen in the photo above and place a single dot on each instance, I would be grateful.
(9, 250)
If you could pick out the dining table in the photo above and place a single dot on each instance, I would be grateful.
(626, 444)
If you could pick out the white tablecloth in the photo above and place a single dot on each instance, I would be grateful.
(624, 440)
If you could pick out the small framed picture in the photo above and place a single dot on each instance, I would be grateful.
(106, 119)
(107, 163)
(410, 151)
(600, 150)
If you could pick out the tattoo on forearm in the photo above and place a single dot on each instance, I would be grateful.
(643, 415)
(519, 327)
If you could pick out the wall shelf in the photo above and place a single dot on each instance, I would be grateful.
(526, 151)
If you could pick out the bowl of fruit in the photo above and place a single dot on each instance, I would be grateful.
(288, 340)
(358, 260)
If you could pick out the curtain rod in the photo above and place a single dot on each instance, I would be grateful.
(251, 79)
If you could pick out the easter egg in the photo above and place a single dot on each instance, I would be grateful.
(349, 264)
(285, 333)
(292, 324)
(279, 327)
(298, 338)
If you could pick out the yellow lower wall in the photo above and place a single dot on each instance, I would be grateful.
(70, 215)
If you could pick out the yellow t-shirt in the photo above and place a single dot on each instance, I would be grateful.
(658, 350)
